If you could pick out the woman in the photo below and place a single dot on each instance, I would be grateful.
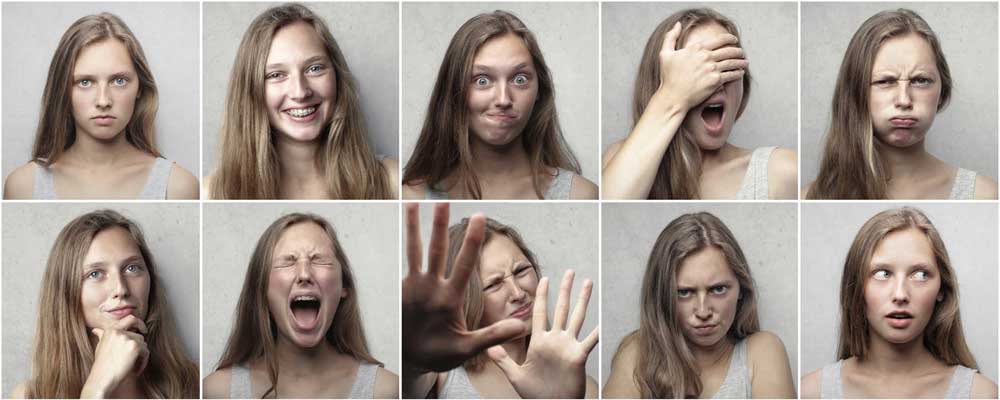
(892, 83)
(699, 334)
(899, 318)
(449, 323)
(293, 127)
(693, 81)
(95, 137)
(104, 325)
(491, 129)
(297, 332)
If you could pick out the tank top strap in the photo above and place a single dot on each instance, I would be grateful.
(45, 187)
(156, 184)
(458, 386)
(831, 387)
(960, 386)
(965, 185)
(754, 186)
(736, 385)
(364, 383)
(239, 383)
(561, 185)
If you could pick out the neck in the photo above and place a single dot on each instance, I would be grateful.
(904, 162)
(886, 358)
(295, 361)
(297, 159)
(99, 153)
(707, 357)
(499, 162)
(718, 156)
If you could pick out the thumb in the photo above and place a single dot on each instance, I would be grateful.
(97, 332)
(499, 332)
(500, 357)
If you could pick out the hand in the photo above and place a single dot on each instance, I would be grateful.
(555, 366)
(693, 73)
(435, 337)
(121, 350)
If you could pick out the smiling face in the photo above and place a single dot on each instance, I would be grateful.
(300, 84)
(905, 90)
(502, 90)
(902, 286)
(710, 122)
(509, 282)
(707, 296)
(115, 280)
(305, 284)
(104, 89)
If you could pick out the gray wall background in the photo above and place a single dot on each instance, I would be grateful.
(965, 133)
(168, 33)
(567, 35)
(232, 230)
(562, 236)
(768, 32)
(765, 231)
(30, 230)
(969, 231)
(368, 35)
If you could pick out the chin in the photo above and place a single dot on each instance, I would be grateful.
(498, 138)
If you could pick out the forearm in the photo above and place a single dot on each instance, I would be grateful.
(417, 384)
(630, 172)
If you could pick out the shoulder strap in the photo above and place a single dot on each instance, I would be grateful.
(960, 386)
(754, 186)
(364, 383)
(45, 187)
(239, 383)
(965, 185)
(831, 387)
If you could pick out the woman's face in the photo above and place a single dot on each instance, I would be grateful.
(902, 286)
(115, 280)
(105, 87)
(502, 90)
(707, 293)
(300, 84)
(509, 282)
(710, 122)
(305, 284)
(905, 90)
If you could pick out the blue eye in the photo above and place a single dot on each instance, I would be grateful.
(881, 275)
(84, 83)
(315, 68)
(721, 289)
(273, 75)
(684, 293)
(921, 275)
(482, 81)
(119, 82)
(521, 79)
(95, 274)
(132, 268)
(921, 81)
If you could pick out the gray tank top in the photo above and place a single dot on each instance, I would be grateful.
(458, 386)
(363, 387)
(965, 185)
(754, 186)
(737, 382)
(558, 190)
(960, 386)
(155, 189)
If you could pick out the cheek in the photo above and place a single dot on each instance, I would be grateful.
(479, 100)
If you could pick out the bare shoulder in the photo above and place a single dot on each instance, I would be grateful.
(771, 371)
(809, 385)
(610, 152)
(392, 173)
(986, 188)
(621, 383)
(764, 342)
(592, 389)
(20, 391)
(216, 384)
(182, 184)
(386, 384)
(582, 189)
(783, 174)
(983, 388)
(20, 184)
(416, 191)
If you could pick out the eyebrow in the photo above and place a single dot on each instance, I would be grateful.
(122, 74)
(484, 68)
(310, 60)
(99, 264)
(719, 283)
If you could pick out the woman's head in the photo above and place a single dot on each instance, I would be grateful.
(99, 85)
(291, 82)
(697, 292)
(705, 127)
(99, 271)
(893, 81)
(299, 290)
(494, 88)
(898, 286)
(502, 285)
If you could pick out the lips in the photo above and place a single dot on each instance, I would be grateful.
(713, 112)
(302, 114)
(121, 311)
(103, 120)
(899, 319)
(704, 330)
(902, 121)
(502, 117)
(522, 312)
(305, 311)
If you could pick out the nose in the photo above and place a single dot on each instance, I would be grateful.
(516, 292)
(901, 294)
(902, 99)
(303, 272)
(119, 288)
(702, 310)
(103, 97)
(300, 88)
(501, 96)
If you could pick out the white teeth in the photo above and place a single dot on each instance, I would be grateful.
(305, 298)
(715, 106)
(301, 112)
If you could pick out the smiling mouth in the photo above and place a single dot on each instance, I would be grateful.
(305, 311)
(301, 112)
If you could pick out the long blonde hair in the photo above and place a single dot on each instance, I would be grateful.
(943, 335)
(444, 144)
(56, 127)
(63, 351)
(248, 162)
(474, 290)
(254, 332)
(677, 175)
(852, 166)
(666, 367)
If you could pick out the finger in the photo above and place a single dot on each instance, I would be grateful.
(722, 40)
(580, 312)
(143, 359)
(538, 317)
(727, 53)
(414, 256)
(731, 64)
(670, 40)
(498, 333)
(591, 340)
(500, 357)
(562, 302)
(131, 323)
(468, 254)
(135, 337)
(98, 332)
(729, 76)
(438, 249)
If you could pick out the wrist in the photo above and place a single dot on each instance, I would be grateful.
(666, 105)
(95, 388)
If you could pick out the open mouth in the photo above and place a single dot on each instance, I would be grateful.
(713, 114)
(899, 319)
(305, 311)
(301, 112)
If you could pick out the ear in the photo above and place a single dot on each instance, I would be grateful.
(345, 291)
(940, 297)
